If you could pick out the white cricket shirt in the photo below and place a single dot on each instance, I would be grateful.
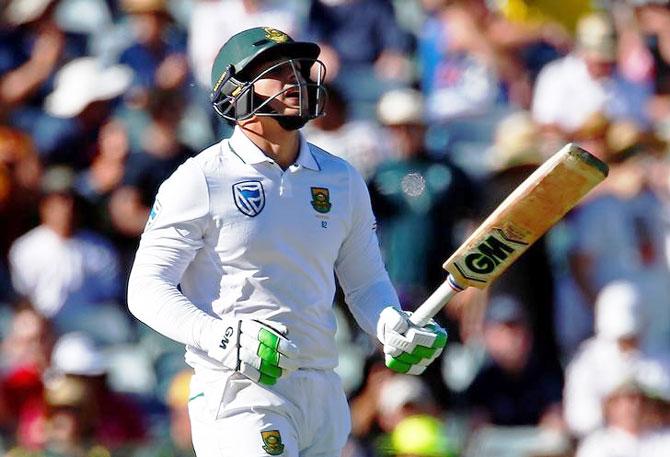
(243, 238)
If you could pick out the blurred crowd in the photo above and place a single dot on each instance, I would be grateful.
(444, 106)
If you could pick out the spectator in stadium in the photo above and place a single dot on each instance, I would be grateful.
(359, 141)
(116, 421)
(622, 429)
(69, 419)
(516, 386)
(78, 414)
(63, 269)
(158, 54)
(590, 75)
(464, 71)
(516, 152)
(414, 193)
(365, 38)
(613, 350)
(96, 183)
(632, 247)
(28, 341)
(81, 102)
(162, 152)
(25, 351)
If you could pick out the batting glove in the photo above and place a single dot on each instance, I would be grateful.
(407, 347)
(259, 350)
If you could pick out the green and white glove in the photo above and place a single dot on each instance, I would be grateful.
(257, 349)
(408, 348)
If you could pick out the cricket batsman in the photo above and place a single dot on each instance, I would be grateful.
(239, 257)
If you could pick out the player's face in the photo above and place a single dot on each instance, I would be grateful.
(283, 82)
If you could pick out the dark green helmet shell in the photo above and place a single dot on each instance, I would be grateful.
(257, 44)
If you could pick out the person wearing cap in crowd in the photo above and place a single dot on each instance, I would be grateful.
(516, 152)
(81, 101)
(69, 419)
(80, 414)
(622, 428)
(516, 385)
(116, 420)
(239, 257)
(587, 80)
(401, 396)
(413, 193)
(619, 328)
(64, 270)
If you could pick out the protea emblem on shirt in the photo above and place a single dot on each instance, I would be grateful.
(321, 199)
(249, 197)
(272, 442)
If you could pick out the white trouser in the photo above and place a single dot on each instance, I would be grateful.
(304, 415)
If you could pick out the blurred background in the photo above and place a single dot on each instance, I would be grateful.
(444, 106)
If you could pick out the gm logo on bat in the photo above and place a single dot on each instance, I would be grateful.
(488, 255)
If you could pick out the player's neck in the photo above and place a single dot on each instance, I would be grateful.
(279, 144)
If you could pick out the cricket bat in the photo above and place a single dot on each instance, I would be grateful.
(522, 218)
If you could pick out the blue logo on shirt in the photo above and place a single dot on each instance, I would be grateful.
(153, 214)
(249, 197)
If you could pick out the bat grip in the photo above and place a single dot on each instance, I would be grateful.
(435, 302)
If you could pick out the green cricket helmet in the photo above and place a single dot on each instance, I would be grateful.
(233, 77)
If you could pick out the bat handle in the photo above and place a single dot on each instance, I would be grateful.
(435, 302)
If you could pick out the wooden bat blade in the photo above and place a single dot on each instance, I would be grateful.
(525, 215)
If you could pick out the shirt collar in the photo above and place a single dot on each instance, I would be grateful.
(248, 152)
(306, 157)
(245, 149)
